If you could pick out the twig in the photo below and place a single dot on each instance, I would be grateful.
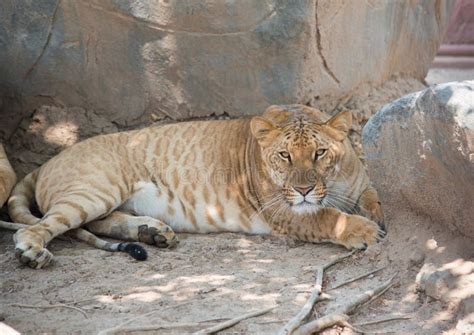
(120, 326)
(230, 323)
(381, 292)
(356, 278)
(75, 302)
(387, 319)
(339, 259)
(357, 330)
(323, 323)
(156, 327)
(368, 296)
(296, 321)
(80, 310)
(165, 326)
(340, 317)
(325, 296)
(271, 321)
(333, 320)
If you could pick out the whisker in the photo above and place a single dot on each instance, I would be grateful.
(342, 204)
(281, 208)
(341, 196)
(348, 204)
(331, 204)
(270, 203)
(342, 201)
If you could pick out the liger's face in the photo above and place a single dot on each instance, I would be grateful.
(301, 154)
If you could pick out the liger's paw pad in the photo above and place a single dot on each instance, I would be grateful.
(161, 238)
(35, 258)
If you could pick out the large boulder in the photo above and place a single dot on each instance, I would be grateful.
(184, 58)
(420, 155)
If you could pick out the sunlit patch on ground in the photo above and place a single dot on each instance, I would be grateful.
(207, 277)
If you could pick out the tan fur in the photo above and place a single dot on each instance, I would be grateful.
(7, 176)
(204, 176)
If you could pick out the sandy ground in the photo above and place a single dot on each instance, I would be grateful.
(214, 277)
(438, 76)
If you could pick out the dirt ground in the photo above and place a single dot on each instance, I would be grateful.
(208, 278)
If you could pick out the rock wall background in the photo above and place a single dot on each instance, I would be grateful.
(72, 69)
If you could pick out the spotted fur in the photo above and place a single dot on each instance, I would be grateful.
(291, 171)
(7, 176)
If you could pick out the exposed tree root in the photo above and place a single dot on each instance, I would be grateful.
(296, 321)
(230, 323)
(341, 317)
(80, 310)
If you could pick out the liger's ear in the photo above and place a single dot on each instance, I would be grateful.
(340, 124)
(276, 113)
(263, 130)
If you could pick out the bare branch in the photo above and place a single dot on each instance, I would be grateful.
(80, 310)
(386, 319)
(230, 323)
(340, 317)
(165, 326)
(316, 292)
(368, 296)
(339, 259)
(322, 323)
(122, 325)
(356, 278)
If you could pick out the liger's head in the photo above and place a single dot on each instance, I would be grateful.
(301, 151)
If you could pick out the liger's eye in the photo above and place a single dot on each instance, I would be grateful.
(285, 155)
(320, 153)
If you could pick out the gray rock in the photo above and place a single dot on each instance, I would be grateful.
(180, 59)
(465, 324)
(435, 283)
(417, 257)
(453, 282)
(420, 152)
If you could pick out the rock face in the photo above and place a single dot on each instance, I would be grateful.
(127, 63)
(181, 59)
(420, 154)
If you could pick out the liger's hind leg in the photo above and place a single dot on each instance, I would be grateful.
(30, 243)
(123, 226)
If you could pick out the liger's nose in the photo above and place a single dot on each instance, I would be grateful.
(303, 190)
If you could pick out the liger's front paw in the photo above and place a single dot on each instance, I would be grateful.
(162, 238)
(360, 232)
(28, 251)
